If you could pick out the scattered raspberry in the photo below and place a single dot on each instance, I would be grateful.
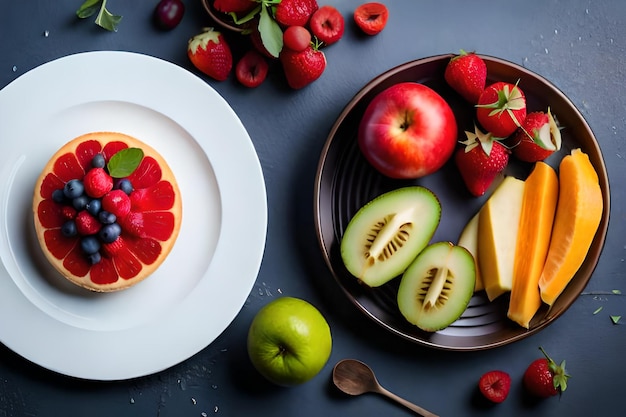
(495, 385)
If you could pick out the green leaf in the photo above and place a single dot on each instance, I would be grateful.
(615, 319)
(124, 162)
(106, 19)
(616, 292)
(245, 19)
(271, 33)
(88, 8)
(599, 309)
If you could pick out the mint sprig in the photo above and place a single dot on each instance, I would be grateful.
(104, 18)
(124, 162)
(271, 33)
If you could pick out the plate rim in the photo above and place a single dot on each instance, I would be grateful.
(599, 238)
(191, 307)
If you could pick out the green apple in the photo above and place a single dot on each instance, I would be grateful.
(289, 341)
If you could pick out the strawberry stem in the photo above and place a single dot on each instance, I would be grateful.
(559, 375)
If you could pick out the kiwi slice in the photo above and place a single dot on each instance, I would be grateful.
(386, 234)
(437, 287)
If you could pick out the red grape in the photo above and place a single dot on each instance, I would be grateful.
(169, 13)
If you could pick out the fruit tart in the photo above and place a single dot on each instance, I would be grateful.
(107, 211)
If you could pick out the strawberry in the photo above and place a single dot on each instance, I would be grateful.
(209, 52)
(86, 224)
(304, 67)
(371, 18)
(544, 378)
(251, 69)
(295, 12)
(466, 73)
(97, 182)
(538, 138)
(501, 108)
(482, 159)
(495, 385)
(116, 202)
(327, 24)
(234, 6)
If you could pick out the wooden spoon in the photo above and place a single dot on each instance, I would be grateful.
(355, 378)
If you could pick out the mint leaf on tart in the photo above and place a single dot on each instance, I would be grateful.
(124, 162)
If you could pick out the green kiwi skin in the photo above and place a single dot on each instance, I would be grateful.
(458, 286)
(415, 208)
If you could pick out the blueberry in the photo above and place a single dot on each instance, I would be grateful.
(58, 196)
(94, 258)
(110, 232)
(69, 228)
(98, 161)
(107, 218)
(125, 185)
(94, 207)
(73, 189)
(80, 202)
(90, 244)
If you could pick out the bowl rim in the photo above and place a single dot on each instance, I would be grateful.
(217, 18)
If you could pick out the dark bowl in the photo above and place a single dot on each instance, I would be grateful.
(345, 182)
(222, 19)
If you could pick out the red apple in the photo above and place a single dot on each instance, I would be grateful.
(407, 131)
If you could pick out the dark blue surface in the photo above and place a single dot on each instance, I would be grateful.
(578, 45)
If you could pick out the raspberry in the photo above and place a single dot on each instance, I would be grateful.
(116, 202)
(86, 224)
(97, 182)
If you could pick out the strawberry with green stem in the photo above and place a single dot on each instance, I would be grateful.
(545, 378)
(301, 68)
(466, 73)
(501, 108)
(537, 138)
(481, 160)
(274, 15)
(209, 52)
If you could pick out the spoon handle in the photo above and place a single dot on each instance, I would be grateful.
(407, 404)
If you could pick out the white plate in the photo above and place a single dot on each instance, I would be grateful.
(206, 279)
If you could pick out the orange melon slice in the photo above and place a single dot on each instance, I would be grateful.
(535, 228)
(148, 231)
(578, 215)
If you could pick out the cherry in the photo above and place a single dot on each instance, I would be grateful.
(297, 38)
(168, 14)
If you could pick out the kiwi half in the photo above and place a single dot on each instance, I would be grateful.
(386, 234)
(436, 288)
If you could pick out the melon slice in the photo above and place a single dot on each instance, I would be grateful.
(148, 231)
